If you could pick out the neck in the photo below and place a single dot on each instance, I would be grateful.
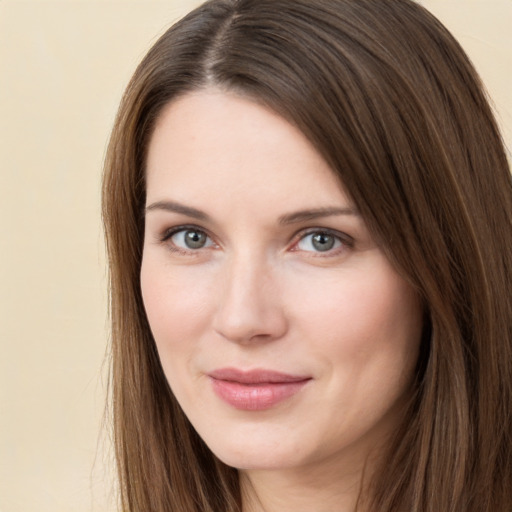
(324, 489)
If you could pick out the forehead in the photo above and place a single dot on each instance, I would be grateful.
(230, 146)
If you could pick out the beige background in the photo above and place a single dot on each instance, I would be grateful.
(63, 66)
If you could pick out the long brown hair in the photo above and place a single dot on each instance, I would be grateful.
(392, 102)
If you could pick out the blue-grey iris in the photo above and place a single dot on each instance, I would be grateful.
(195, 239)
(323, 242)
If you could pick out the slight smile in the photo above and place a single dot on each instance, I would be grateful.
(255, 390)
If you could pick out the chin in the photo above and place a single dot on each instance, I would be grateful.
(256, 460)
(253, 454)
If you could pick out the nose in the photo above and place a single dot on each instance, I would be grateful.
(250, 307)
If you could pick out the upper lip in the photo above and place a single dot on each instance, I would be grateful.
(256, 376)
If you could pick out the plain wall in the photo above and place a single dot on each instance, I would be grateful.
(63, 67)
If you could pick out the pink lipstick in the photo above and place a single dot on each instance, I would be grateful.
(255, 390)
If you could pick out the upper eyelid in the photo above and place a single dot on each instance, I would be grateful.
(329, 231)
(169, 232)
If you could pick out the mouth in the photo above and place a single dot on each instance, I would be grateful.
(255, 390)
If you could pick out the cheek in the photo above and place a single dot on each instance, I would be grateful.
(177, 312)
(368, 321)
(176, 307)
(366, 331)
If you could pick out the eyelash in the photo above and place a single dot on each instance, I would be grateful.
(345, 241)
(168, 234)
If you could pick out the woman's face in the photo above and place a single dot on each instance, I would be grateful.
(284, 332)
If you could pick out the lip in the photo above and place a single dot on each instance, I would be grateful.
(255, 390)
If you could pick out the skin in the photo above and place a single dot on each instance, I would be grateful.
(260, 294)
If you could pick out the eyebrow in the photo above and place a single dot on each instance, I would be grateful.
(172, 206)
(289, 218)
(307, 215)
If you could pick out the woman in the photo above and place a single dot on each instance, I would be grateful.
(308, 216)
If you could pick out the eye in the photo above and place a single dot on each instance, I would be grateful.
(320, 242)
(189, 239)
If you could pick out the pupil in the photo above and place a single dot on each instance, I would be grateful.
(195, 239)
(323, 242)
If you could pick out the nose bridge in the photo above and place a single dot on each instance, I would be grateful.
(249, 304)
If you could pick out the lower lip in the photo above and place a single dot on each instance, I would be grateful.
(255, 397)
